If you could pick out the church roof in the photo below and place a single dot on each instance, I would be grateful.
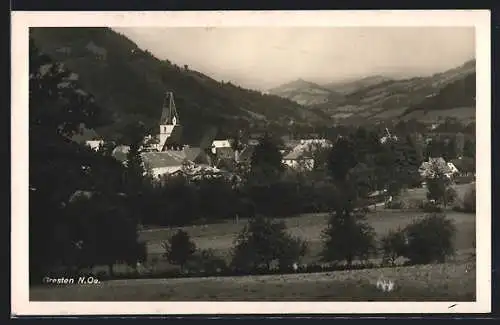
(170, 158)
(160, 159)
(224, 153)
(246, 154)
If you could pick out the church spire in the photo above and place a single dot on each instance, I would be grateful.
(169, 114)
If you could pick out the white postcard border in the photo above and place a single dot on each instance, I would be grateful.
(21, 21)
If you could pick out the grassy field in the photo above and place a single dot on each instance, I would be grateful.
(441, 282)
(434, 282)
(220, 237)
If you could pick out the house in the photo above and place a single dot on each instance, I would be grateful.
(94, 144)
(172, 161)
(245, 155)
(196, 172)
(298, 160)
(308, 146)
(217, 144)
(166, 162)
(453, 169)
(319, 142)
(223, 153)
(466, 166)
(290, 144)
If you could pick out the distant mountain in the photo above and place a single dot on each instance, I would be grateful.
(447, 94)
(130, 84)
(346, 87)
(304, 92)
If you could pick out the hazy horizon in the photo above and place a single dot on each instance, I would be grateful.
(262, 58)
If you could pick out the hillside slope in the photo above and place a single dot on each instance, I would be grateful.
(130, 83)
(450, 93)
(346, 87)
(304, 92)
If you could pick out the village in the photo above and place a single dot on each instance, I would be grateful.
(164, 155)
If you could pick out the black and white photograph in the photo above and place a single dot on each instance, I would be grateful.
(317, 162)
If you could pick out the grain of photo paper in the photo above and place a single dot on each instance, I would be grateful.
(251, 162)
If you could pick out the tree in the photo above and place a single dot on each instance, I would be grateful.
(393, 246)
(450, 149)
(435, 148)
(179, 248)
(459, 144)
(341, 159)
(470, 148)
(437, 183)
(364, 179)
(397, 166)
(216, 199)
(469, 200)
(429, 239)
(366, 145)
(58, 166)
(347, 237)
(263, 241)
(266, 162)
(90, 223)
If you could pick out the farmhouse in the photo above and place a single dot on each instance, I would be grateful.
(94, 144)
(245, 156)
(220, 144)
(298, 160)
(465, 166)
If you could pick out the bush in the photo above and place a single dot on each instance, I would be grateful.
(429, 239)
(206, 261)
(264, 241)
(415, 203)
(396, 204)
(347, 237)
(179, 248)
(450, 195)
(430, 207)
(393, 246)
(139, 253)
(469, 201)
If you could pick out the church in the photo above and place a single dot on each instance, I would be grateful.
(165, 154)
(170, 135)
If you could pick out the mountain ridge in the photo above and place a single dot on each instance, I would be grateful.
(131, 83)
(449, 93)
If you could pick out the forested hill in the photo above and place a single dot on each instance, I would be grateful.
(130, 84)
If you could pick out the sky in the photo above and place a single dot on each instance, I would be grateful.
(265, 57)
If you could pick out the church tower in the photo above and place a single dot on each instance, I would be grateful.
(169, 119)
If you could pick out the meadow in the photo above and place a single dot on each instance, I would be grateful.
(220, 237)
(454, 280)
(440, 282)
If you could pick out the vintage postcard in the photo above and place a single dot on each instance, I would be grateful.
(289, 162)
